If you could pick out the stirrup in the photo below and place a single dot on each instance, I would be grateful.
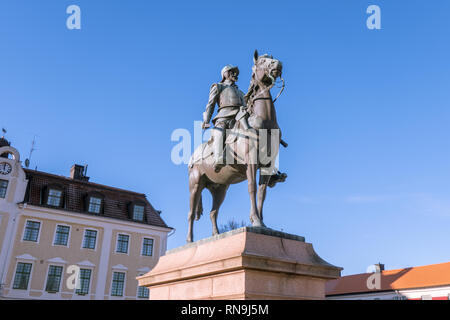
(218, 167)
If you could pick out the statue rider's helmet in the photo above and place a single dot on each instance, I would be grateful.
(228, 67)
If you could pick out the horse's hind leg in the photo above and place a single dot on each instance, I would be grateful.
(195, 188)
(218, 193)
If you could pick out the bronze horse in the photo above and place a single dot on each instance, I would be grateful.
(262, 115)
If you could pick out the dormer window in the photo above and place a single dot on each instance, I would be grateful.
(94, 203)
(54, 197)
(138, 212)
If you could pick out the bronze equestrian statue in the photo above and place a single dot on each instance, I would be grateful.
(232, 107)
(248, 116)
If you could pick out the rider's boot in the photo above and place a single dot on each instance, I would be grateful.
(218, 145)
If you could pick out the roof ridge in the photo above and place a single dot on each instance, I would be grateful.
(31, 171)
(399, 269)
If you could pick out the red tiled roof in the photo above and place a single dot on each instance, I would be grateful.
(116, 200)
(433, 275)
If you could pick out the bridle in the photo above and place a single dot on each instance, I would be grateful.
(281, 90)
(259, 83)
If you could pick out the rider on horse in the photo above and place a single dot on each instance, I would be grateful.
(232, 105)
(232, 108)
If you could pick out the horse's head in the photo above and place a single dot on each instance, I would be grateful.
(266, 69)
(265, 72)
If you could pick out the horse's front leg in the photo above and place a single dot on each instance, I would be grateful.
(251, 178)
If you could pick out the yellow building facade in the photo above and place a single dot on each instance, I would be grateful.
(68, 238)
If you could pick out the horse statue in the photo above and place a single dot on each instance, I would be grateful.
(241, 145)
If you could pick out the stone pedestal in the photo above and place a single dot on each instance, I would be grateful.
(246, 263)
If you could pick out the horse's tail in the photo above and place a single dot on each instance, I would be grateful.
(199, 209)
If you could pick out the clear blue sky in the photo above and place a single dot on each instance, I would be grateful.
(365, 112)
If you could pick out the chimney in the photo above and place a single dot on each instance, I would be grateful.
(77, 172)
(379, 266)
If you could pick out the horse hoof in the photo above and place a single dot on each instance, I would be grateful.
(256, 222)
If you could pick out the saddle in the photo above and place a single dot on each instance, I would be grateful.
(235, 147)
(205, 153)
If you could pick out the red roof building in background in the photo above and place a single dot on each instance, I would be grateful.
(430, 282)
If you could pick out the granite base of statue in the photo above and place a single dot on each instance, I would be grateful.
(247, 263)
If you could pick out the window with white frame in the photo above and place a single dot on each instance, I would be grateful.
(85, 280)
(122, 243)
(147, 247)
(22, 276)
(54, 278)
(90, 239)
(3, 188)
(61, 235)
(31, 231)
(143, 292)
(118, 283)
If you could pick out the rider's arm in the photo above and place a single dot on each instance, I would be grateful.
(213, 98)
